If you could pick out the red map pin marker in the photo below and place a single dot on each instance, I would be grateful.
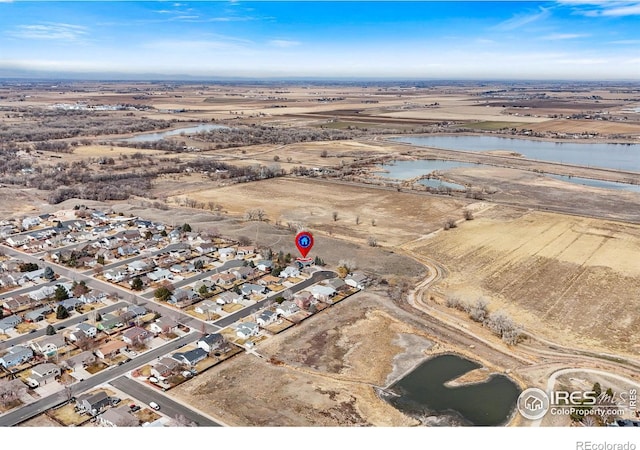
(304, 242)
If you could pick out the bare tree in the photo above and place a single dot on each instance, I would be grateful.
(468, 214)
(335, 216)
(10, 391)
(372, 241)
(478, 310)
(357, 220)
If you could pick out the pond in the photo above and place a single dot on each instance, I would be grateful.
(423, 392)
(611, 156)
(598, 183)
(153, 137)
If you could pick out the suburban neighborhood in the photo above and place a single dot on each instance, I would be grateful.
(102, 312)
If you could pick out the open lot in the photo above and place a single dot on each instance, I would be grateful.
(570, 279)
(391, 217)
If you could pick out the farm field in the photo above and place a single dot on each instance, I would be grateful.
(571, 279)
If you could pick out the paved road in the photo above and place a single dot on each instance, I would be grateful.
(28, 411)
(234, 317)
(168, 406)
(67, 323)
(33, 409)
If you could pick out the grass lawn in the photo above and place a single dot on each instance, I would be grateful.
(232, 307)
(97, 367)
(67, 416)
(279, 326)
(25, 327)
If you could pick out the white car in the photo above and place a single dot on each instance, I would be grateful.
(154, 405)
(133, 353)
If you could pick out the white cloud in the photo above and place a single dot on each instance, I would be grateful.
(607, 8)
(283, 43)
(50, 31)
(521, 20)
(562, 36)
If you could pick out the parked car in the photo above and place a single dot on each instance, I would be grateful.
(154, 405)
(134, 407)
(115, 401)
(153, 379)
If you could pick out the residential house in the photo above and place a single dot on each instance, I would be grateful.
(270, 280)
(357, 280)
(34, 275)
(93, 403)
(88, 329)
(45, 373)
(128, 250)
(228, 297)
(77, 336)
(211, 342)
(94, 297)
(290, 272)
(183, 297)
(48, 346)
(223, 279)
(244, 272)
(322, 293)
(163, 325)
(247, 329)
(18, 303)
(136, 336)
(207, 307)
(137, 310)
(143, 224)
(177, 268)
(110, 349)
(245, 251)
(82, 359)
(131, 235)
(304, 299)
(7, 280)
(287, 308)
(191, 357)
(205, 247)
(266, 318)
(18, 241)
(38, 314)
(175, 234)
(165, 367)
(115, 275)
(118, 417)
(160, 274)
(109, 321)
(265, 265)
(248, 289)
(70, 304)
(138, 266)
(207, 283)
(336, 283)
(16, 356)
(30, 222)
(8, 323)
(226, 252)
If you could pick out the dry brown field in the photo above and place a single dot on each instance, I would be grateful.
(573, 280)
(398, 217)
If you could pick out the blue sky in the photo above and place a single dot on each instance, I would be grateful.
(569, 39)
